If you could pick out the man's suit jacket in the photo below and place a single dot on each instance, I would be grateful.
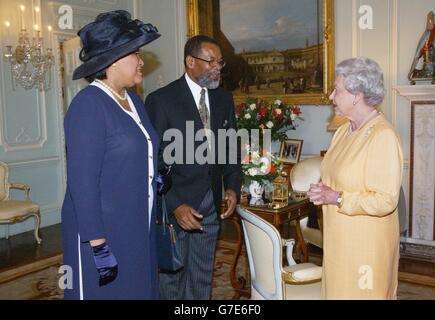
(170, 108)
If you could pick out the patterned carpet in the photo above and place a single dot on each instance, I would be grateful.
(39, 280)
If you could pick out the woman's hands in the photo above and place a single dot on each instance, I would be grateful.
(106, 263)
(321, 194)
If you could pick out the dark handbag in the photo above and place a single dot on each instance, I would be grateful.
(168, 253)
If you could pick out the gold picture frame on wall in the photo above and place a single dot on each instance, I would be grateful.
(274, 48)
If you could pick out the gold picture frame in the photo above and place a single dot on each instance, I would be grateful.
(290, 150)
(203, 17)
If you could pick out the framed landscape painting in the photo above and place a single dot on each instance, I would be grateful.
(272, 48)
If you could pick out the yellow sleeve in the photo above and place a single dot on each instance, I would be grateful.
(382, 178)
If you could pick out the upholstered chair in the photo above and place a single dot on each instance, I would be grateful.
(270, 279)
(12, 211)
(302, 175)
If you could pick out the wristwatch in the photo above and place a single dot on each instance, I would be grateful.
(340, 199)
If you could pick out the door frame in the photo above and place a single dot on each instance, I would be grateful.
(60, 98)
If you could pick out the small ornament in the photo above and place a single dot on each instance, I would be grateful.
(280, 189)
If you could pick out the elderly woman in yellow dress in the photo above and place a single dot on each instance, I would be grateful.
(361, 179)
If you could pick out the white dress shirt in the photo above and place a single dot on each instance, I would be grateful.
(196, 92)
(135, 116)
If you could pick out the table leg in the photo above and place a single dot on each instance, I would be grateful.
(238, 283)
(301, 245)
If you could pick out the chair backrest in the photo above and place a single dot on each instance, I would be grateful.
(304, 173)
(264, 249)
(4, 184)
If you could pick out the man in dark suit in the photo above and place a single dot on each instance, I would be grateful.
(196, 102)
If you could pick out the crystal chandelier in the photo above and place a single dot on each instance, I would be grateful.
(30, 66)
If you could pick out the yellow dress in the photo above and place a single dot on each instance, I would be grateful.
(361, 239)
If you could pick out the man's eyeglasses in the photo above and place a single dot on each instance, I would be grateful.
(212, 62)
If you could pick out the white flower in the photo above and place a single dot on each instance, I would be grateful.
(253, 172)
(253, 106)
(269, 124)
(265, 163)
(255, 157)
(293, 116)
(247, 116)
(278, 111)
(278, 102)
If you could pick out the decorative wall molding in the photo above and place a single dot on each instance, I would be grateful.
(417, 92)
(43, 162)
(417, 249)
(82, 15)
(59, 89)
(391, 68)
(28, 143)
(22, 140)
(75, 7)
(423, 170)
(180, 35)
(22, 136)
(422, 161)
(50, 208)
(394, 59)
(135, 12)
(2, 96)
(356, 32)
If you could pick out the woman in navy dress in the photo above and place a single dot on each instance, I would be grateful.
(108, 215)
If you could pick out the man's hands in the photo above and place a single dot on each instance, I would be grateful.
(187, 217)
(231, 199)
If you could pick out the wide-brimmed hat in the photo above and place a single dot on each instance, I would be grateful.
(110, 37)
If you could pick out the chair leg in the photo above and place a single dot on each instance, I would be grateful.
(37, 224)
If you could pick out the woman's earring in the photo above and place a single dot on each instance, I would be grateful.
(354, 103)
(114, 65)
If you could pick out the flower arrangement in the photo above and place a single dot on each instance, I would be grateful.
(276, 116)
(263, 168)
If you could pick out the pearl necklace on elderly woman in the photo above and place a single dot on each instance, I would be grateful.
(367, 118)
(116, 94)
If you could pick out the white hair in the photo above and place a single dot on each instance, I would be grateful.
(363, 75)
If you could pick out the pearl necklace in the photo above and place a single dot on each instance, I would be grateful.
(116, 94)
(367, 118)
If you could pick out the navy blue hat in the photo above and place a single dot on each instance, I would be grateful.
(110, 37)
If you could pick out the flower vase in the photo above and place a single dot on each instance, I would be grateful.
(256, 190)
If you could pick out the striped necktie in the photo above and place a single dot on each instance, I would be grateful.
(203, 111)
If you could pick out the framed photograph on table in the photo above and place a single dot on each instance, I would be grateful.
(273, 48)
(290, 151)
